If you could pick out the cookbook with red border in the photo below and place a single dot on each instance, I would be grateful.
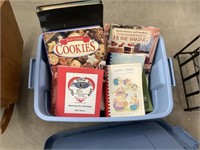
(79, 92)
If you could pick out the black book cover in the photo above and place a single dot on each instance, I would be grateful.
(70, 15)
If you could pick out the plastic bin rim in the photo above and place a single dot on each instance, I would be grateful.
(98, 119)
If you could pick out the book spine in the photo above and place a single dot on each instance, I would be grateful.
(107, 98)
(53, 97)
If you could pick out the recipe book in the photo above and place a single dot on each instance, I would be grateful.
(78, 47)
(122, 58)
(124, 96)
(134, 39)
(79, 92)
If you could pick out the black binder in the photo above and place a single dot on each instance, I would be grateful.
(70, 15)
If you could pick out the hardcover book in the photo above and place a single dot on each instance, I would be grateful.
(79, 47)
(133, 39)
(79, 92)
(71, 14)
(124, 96)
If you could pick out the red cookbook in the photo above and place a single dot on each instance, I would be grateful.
(78, 47)
(79, 92)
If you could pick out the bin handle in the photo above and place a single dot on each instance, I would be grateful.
(32, 72)
(31, 80)
(171, 71)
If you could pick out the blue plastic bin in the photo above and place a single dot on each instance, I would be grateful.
(161, 82)
(155, 134)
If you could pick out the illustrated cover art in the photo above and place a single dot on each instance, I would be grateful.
(122, 58)
(125, 91)
(133, 39)
(79, 47)
(79, 92)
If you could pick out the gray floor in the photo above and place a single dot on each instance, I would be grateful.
(179, 21)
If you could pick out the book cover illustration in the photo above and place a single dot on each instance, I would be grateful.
(83, 47)
(80, 47)
(125, 93)
(132, 39)
(122, 58)
(79, 92)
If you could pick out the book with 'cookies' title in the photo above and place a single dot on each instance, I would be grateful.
(78, 47)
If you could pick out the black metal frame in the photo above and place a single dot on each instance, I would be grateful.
(193, 54)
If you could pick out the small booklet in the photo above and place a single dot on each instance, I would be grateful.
(121, 58)
(124, 95)
(133, 39)
(79, 92)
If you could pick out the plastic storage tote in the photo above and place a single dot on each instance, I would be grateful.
(161, 81)
(133, 135)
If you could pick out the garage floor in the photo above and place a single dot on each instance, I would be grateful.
(179, 21)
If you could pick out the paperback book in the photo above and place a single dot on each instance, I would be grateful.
(124, 96)
(122, 58)
(80, 91)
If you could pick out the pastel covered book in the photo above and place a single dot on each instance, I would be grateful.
(79, 92)
(124, 93)
(122, 58)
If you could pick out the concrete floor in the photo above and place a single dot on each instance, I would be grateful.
(179, 21)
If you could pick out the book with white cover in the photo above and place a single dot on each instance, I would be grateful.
(124, 90)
